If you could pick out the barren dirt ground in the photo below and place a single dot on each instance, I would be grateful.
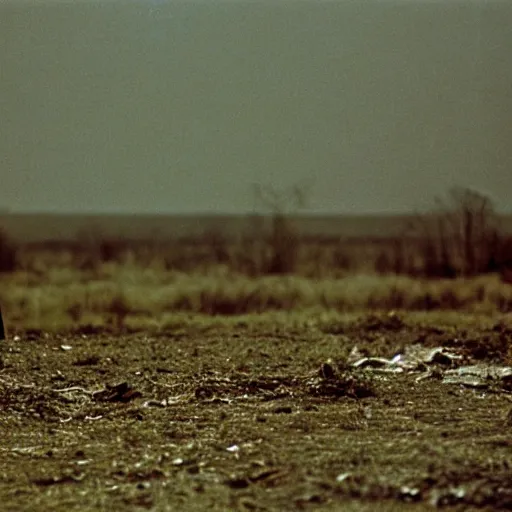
(254, 417)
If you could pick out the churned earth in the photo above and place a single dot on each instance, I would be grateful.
(253, 414)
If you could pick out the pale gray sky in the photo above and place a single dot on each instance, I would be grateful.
(179, 106)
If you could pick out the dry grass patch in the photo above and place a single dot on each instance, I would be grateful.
(122, 295)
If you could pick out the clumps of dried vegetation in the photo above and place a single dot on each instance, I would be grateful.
(452, 259)
(140, 298)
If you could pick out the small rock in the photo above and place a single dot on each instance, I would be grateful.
(284, 409)
(326, 371)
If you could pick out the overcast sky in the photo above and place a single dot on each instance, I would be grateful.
(167, 106)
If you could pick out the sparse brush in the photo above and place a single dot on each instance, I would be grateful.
(461, 237)
(125, 293)
(118, 309)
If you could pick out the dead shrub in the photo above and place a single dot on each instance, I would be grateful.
(92, 249)
(217, 243)
(460, 237)
(283, 242)
(284, 246)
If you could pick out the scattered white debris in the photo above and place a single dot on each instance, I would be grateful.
(413, 358)
(343, 476)
(478, 376)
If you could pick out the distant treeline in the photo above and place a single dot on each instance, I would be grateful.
(461, 236)
(31, 227)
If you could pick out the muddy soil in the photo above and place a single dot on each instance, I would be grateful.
(253, 417)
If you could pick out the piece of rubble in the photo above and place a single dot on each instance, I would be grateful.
(414, 358)
(326, 371)
(441, 355)
(479, 376)
(373, 362)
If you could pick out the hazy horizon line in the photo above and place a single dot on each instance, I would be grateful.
(302, 213)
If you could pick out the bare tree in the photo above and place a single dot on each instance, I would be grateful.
(283, 241)
(460, 236)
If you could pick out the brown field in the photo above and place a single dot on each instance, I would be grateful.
(259, 412)
(217, 373)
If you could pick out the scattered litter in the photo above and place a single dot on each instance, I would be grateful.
(58, 376)
(485, 371)
(413, 358)
(355, 355)
(375, 362)
(172, 400)
(217, 400)
(75, 388)
(447, 497)
(233, 448)
(438, 363)
(66, 348)
(155, 403)
(480, 376)
(26, 450)
(343, 476)
(440, 355)
(407, 493)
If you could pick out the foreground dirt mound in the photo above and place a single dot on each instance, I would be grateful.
(255, 417)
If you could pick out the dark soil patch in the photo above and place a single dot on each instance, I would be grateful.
(249, 419)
